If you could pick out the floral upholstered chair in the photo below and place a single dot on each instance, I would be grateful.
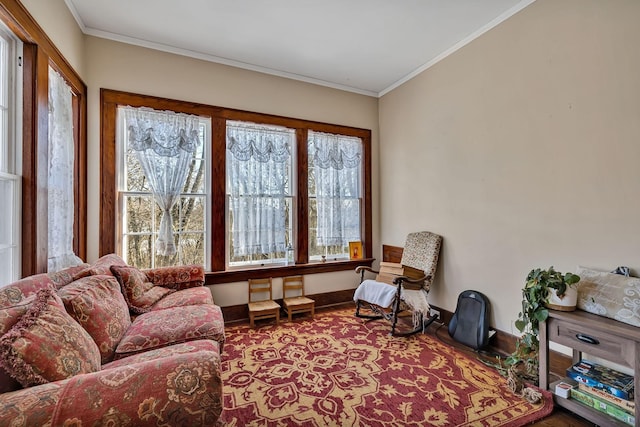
(408, 291)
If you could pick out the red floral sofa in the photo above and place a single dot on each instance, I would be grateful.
(108, 344)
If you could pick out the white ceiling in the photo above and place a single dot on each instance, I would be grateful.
(363, 46)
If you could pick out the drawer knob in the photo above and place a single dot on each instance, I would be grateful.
(587, 339)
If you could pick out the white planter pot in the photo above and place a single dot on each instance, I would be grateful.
(566, 303)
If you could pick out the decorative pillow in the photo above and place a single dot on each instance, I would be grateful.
(64, 277)
(138, 291)
(47, 344)
(97, 304)
(609, 295)
(103, 264)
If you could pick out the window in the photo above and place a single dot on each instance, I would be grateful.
(267, 187)
(10, 148)
(335, 194)
(259, 192)
(163, 191)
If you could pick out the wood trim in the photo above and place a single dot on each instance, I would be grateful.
(38, 53)
(229, 276)
(111, 99)
(218, 195)
(240, 312)
(302, 201)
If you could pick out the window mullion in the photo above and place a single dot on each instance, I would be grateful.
(301, 200)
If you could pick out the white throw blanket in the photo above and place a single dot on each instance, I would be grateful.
(382, 295)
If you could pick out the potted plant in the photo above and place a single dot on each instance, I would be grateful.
(541, 285)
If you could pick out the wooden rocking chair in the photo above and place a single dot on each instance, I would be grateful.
(421, 253)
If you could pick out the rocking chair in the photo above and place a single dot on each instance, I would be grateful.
(420, 253)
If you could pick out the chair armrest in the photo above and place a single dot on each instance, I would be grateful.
(409, 283)
(361, 269)
(184, 389)
(178, 277)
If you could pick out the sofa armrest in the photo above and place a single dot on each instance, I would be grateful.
(184, 389)
(178, 277)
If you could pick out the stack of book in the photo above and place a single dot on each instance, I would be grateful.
(391, 270)
(604, 389)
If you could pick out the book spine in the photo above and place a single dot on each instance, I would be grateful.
(586, 379)
(602, 406)
(627, 405)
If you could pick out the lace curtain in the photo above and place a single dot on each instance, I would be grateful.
(335, 162)
(163, 143)
(258, 173)
(60, 175)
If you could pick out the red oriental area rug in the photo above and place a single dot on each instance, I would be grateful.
(337, 370)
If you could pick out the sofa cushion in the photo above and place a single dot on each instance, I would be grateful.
(177, 277)
(64, 277)
(609, 295)
(169, 351)
(104, 263)
(138, 291)
(97, 304)
(46, 344)
(161, 328)
(190, 296)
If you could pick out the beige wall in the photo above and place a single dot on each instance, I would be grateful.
(522, 149)
(56, 20)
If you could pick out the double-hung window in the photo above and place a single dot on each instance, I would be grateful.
(10, 149)
(335, 194)
(259, 187)
(163, 187)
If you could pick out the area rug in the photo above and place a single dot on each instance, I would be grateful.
(338, 370)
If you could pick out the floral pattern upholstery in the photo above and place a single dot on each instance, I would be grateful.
(166, 384)
(97, 304)
(191, 296)
(103, 264)
(179, 277)
(421, 251)
(46, 344)
(182, 390)
(138, 291)
(172, 326)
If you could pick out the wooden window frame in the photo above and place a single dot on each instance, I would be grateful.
(39, 53)
(109, 102)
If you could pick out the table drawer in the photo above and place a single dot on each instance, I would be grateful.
(596, 343)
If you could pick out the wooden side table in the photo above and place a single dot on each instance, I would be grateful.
(597, 336)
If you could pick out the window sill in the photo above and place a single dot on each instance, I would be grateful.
(229, 276)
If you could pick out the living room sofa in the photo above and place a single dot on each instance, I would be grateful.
(108, 344)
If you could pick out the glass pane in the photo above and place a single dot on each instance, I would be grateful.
(136, 181)
(196, 178)
(193, 214)
(192, 248)
(166, 261)
(138, 214)
(7, 209)
(139, 249)
(6, 265)
(261, 232)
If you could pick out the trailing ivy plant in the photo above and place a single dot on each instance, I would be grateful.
(534, 296)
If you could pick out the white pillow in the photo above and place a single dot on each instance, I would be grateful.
(610, 295)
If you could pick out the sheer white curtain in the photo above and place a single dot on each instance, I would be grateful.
(336, 162)
(258, 183)
(60, 181)
(163, 143)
